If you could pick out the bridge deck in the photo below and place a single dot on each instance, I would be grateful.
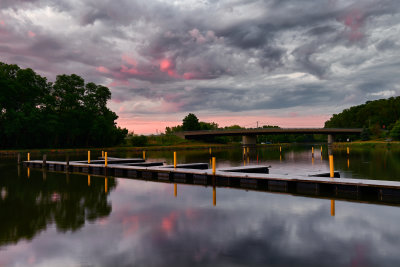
(271, 131)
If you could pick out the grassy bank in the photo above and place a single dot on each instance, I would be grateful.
(362, 145)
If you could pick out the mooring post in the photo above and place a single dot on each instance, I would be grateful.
(332, 207)
(105, 184)
(19, 158)
(312, 151)
(88, 157)
(331, 169)
(175, 159)
(29, 156)
(102, 154)
(105, 159)
(144, 154)
(321, 150)
(210, 150)
(44, 161)
(213, 165)
(348, 151)
(280, 149)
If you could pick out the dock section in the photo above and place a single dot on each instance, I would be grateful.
(256, 177)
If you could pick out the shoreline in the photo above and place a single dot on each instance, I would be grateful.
(336, 145)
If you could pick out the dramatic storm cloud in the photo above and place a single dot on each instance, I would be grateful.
(288, 63)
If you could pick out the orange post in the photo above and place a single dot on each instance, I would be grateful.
(213, 165)
(105, 159)
(331, 167)
(174, 159)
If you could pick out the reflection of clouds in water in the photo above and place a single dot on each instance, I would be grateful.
(150, 227)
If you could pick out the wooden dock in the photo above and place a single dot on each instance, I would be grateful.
(253, 177)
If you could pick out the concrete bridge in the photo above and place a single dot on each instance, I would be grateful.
(250, 135)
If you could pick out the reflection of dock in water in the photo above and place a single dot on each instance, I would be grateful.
(253, 177)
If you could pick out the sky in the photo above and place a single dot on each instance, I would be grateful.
(291, 63)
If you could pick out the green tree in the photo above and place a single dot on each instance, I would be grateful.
(395, 132)
(68, 113)
(365, 134)
(190, 123)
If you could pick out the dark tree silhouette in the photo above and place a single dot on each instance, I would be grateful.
(66, 113)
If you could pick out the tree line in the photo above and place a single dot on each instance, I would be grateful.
(35, 113)
(380, 118)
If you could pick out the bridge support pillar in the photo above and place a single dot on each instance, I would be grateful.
(249, 140)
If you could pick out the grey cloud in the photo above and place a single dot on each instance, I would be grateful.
(212, 48)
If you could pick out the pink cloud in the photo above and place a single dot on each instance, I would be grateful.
(125, 69)
(119, 83)
(31, 34)
(129, 60)
(165, 65)
(354, 21)
(102, 69)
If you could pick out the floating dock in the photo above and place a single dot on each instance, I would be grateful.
(253, 177)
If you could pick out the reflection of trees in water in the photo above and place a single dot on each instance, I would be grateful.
(377, 164)
(28, 205)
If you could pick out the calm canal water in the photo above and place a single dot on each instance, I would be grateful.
(58, 219)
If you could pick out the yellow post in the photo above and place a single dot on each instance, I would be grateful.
(29, 156)
(88, 180)
(280, 149)
(248, 149)
(175, 190)
(102, 153)
(105, 185)
(321, 150)
(332, 207)
(210, 150)
(174, 159)
(312, 151)
(214, 196)
(105, 159)
(332, 174)
(244, 151)
(88, 157)
(144, 154)
(348, 163)
(348, 151)
(213, 165)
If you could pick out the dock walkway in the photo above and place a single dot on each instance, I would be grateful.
(257, 177)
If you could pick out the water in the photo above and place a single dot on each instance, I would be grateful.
(55, 219)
